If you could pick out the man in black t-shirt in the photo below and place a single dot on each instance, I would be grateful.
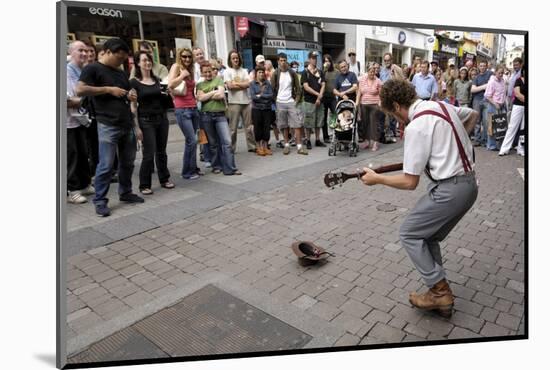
(109, 86)
(313, 82)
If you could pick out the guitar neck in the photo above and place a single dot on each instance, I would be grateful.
(384, 169)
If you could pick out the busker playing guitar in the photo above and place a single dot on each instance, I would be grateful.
(437, 142)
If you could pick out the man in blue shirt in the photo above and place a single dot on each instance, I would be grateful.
(425, 83)
(479, 84)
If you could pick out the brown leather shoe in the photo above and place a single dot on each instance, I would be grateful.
(439, 298)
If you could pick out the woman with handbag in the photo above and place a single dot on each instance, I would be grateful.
(182, 86)
(495, 95)
(211, 94)
(150, 112)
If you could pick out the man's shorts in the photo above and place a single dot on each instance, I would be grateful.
(313, 115)
(288, 115)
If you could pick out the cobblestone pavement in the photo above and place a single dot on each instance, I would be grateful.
(236, 232)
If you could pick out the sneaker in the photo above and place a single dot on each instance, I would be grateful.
(292, 142)
(319, 143)
(208, 165)
(286, 150)
(308, 144)
(502, 154)
(131, 198)
(192, 177)
(75, 197)
(303, 151)
(102, 210)
(88, 190)
(521, 153)
(280, 144)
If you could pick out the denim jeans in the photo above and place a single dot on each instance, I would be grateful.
(480, 131)
(112, 138)
(490, 109)
(155, 137)
(188, 121)
(219, 140)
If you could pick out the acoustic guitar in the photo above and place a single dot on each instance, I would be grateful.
(338, 178)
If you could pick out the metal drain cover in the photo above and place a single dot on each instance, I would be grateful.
(209, 321)
(386, 207)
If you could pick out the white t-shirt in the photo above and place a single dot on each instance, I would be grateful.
(237, 75)
(354, 68)
(284, 94)
(430, 140)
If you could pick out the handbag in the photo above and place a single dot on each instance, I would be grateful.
(178, 90)
(203, 139)
(499, 125)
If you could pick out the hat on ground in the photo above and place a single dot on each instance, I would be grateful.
(260, 58)
(308, 253)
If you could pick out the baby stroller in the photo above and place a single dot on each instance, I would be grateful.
(345, 129)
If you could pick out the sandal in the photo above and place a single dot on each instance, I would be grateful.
(168, 185)
(146, 191)
(216, 171)
(374, 147)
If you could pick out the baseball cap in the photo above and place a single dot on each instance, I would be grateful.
(312, 54)
(260, 58)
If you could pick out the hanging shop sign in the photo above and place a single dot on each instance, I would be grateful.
(402, 37)
(105, 12)
(242, 25)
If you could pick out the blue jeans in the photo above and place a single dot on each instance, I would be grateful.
(480, 131)
(490, 109)
(112, 138)
(188, 121)
(219, 140)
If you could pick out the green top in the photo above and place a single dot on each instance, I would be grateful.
(211, 105)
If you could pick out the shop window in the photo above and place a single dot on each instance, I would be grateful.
(273, 29)
(374, 51)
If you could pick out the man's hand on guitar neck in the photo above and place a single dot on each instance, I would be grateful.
(370, 177)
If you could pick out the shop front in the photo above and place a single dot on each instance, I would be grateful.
(164, 30)
(445, 52)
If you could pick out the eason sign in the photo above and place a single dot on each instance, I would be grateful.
(106, 12)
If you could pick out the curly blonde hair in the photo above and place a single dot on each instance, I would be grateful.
(191, 67)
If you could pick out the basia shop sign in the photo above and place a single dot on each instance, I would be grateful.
(242, 25)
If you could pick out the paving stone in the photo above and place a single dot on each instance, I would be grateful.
(332, 297)
(378, 316)
(460, 333)
(492, 330)
(416, 331)
(386, 333)
(516, 286)
(359, 294)
(85, 322)
(78, 314)
(468, 307)
(355, 308)
(304, 302)
(397, 323)
(380, 302)
(349, 276)
(379, 287)
(347, 340)
(489, 314)
(463, 292)
(465, 252)
(508, 321)
(138, 299)
(324, 311)
(503, 305)
(467, 321)
(484, 299)
(85, 288)
(482, 286)
(508, 294)
(267, 285)
(286, 293)
(436, 325)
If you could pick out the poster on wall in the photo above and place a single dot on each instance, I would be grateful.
(135, 46)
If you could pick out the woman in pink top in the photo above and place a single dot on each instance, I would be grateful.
(368, 101)
(185, 103)
(495, 95)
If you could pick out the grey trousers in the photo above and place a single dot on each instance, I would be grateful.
(234, 112)
(432, 219)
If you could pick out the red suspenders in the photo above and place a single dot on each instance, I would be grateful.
(445, 115)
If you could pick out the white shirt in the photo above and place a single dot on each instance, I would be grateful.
(237, 75)
(354, 68)
(284, 94)
(430, 140)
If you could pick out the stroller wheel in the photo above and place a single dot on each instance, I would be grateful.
(331, 151)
